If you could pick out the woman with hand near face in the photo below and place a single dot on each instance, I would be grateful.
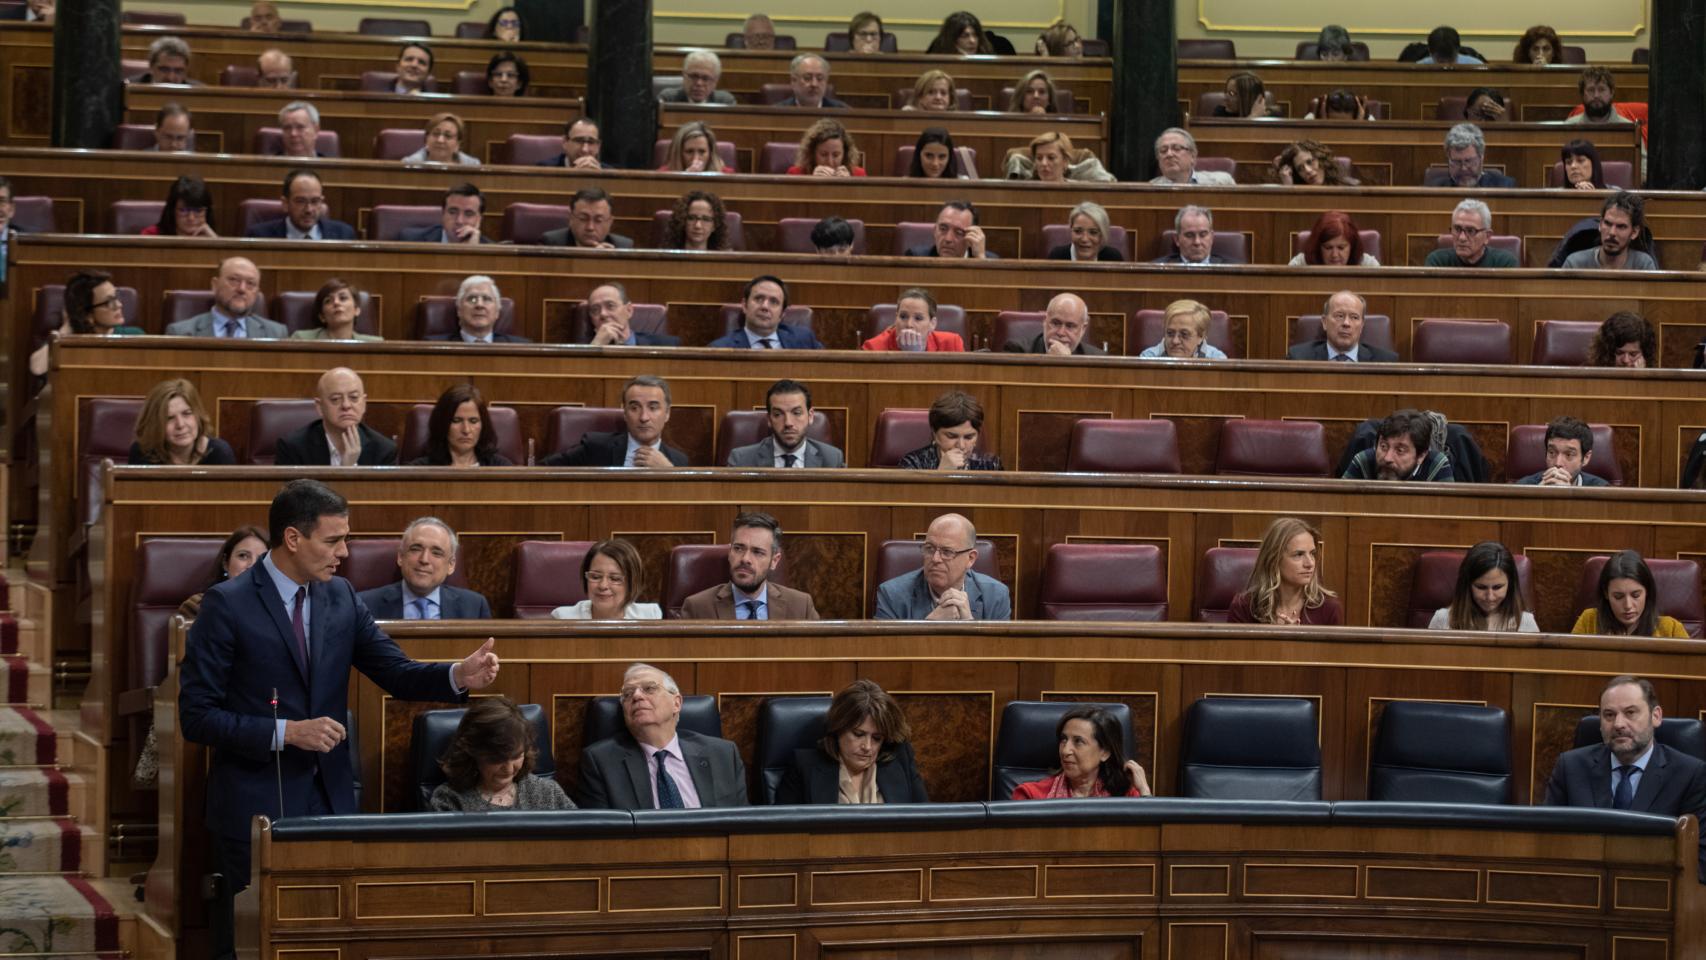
(489, 764)
(827, 150)
(613, 575)
(914, 327)
(1628, 602)
(693, 149)
(187, 213)
(956, 419)
(1285, 585)
(1582, 167)
(1092, 761)
(864, 756)
(1487, 595)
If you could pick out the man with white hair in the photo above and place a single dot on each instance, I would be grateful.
(1065, 323)
(1193, 239)
(1176, 156)
(808, 74)
(299, 129)
(1465, 149)
(650, 764)
(1471, 228)
(339, 438)
(699, 75)
(427, 557)
(478, 306)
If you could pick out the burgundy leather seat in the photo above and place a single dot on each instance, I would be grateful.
(1207, 50)
(394, 27)
(1020, 325)
(895, 557)
(1103, 581)
(908, 234)
(742, 428)
(775, 157)
(1677, 583)
(436, 317)
(531, 149)
(385, 81)
(169, 570)
(898, 433)
(565, 426)
(295, 309)
(1060, 234)
(106, 428)
(389, 220)
(1222, 575)
(1619, 174)
(1509, 244)
(269, 142)
(647, 318)
(547, 576)
(529, 222)
(239, 75)
(154, 18)
(794, 235)
(699, 566)
(1563, 343)
(949, 319)
(840, 42)
(133, 216)
(1229, 244)
(504, 422)
(1461, 341)
(731, 221)
(1525, 453)
(1376, 330)
(1272, 448)
(1124, 446)
(34, 214)
(50, 300)
(1147, 326)
(470, 83)
(184, 304)
(396, 144)
(271, 419)
(257, 210)
(372, 562)
(770, 94)
(784, 41)
(1226, 165)
(1435, 580)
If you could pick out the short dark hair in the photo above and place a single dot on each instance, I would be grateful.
(297, 174)
(421, 45)
(6, 184)
(832, 232)
(1596, 74)
(230, 546)
(746, 291)
(763, 521)
(589, 195)
(330, 288)
(1109, 737)
(1569, 428)
(492, 730)
(1444, 44)
(299, 506)
(570, 125)
(964, 205)
(464, 189)
(787, 386)
(170, 110)
(188, 191)
(864, 700)
(79, 298)
(1632, 204)
(954, 408)
(1407, 423)
(1647, 690)
(614, 285)
(646, 380)
(523, 76)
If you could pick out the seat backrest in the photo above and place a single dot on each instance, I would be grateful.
(1209, 101)
(184, 304)
(731, 221)
(565, 426)
(777, 157)
(504, 422)
(798, 316)
(35, 214)
(1677, 583)
(699, 566)
(529, 222)
(898, 433)
(1461, 341)
(547, 576)
(1228, 245)
(389, 220)
(433, 731)
(50, 300)
(154, 18)
(1563, 343)
(784, 41)
(895, 557)
(1060, 234)
(698, 714)
(1619, 174)
(725, 150)
(471, 30)
(1272, 448)
(1123, 446)
(647, 318)
(1221, 575)
(394, 27)
(903, 160)
(950, 318)
(1027, 748)
(1020, 326)
(1376, 330)
(1063, 103)
(1498, 241)
(1256, 748)
(770, 94)
(269, 142)
(239, 75)
(1687, 734)
(106, 428)
(394, 144)
(1146, 328)
(1434, 581)
(470, 83)
(1525, 452)
(742, 428)
(1429, 752)
(372, 562)
(1572, 54)
(785, 724)
(530, 149)
(133, 216)
(284, 26)
(258, 209)
(794, 235)
(169, 570)
(295, 309)
(1103, 581)
(1370, 241)
(1199, 49)
(271, 419)
(436, 316)
(908, 234)
(1225, 165)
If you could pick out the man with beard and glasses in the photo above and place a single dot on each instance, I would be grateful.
(1402, 451)
(755, 548)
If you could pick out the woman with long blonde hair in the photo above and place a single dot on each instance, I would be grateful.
(1285, 586)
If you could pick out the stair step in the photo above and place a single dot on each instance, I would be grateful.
(39, 792)
(45, 845)
(24, 681)
(30, 737)
(64, 916)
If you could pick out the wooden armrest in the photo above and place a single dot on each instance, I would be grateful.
(132, 702)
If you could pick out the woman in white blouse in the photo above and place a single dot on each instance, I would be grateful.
(612, 574)
(1488, 595)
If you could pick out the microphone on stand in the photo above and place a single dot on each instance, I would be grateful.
(278, 755)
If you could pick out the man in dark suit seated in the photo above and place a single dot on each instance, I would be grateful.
(459, 220)
(1064, 327)
(1569, 449)
(763, 303)
(610, 313)
(808, 74)
(169, 62)
(653, 766)
(1341, 329)
(755, 548)
(645, 407)
(339, 438)
(1193, 239)
(299, 129)
(1465, 150)
(427, 557)
(1629, 771)
(265, 680)
(700, 71)
(581, 144)
(478, 307)
(957, 235)
(788, 404)
(589, 224)
(174, 130)
(304, 213)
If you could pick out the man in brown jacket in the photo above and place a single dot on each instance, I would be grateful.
(755, 548)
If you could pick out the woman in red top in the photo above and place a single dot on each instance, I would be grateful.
(914, 327)
(187, 213)
(1285, 586)
(693, 149)
(827, 150)
(1092, 761)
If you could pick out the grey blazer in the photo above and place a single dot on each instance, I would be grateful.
(763, 454)
(907, 597)
(201, 325)
(614, 774)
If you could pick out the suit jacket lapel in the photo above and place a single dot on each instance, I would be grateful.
(699, 765)
(639, 777)
(1601, 777)
(1652, 780)
(825, 786)
(723, 602)
(317, 444)
(766, 452)
(320, 596)
(271, 602)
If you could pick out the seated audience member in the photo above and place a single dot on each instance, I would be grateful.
(1625, 340)
(1333, 44)
(505, 26)
(427, 557)
(763, 302)
(169, 62)
(1051, 158)
(1065, 322)
(299, 129)
(1185, 334)
(478, 306)
(38, 11)
(1334, 241)
(1309, 163)
(934, 156)
(788, 406)
(1539, 46)
(865, 33)
(1341, 329)
(1465, 152)
(833, 237)
(336, 307)
(755, 548)
(1193, 239)
(464, 207)
(90, 306)
(693, 149)
(610, 314)
(1089, 225)
(1598, 88)
(589, 226)
(444, 134)
(173, 429)
(581, 144)
(945, 587)
(956, 420)
(304, 213)
(187, 213)
(1342, 104)
(645, 410)
(961, 33)
(457, 434)
(414, 68)
(174, 130)
(340, 438)
(827, 150)
(1092, 761)
(1246, 98)
(275, 70)
(1627, 602)
(613, 574)
(507, 75)
(863, 756)
(1582, 167)
(8, 209)
(1487, 596)
(957, 235)
(759, 33)
(1061, 39)
(1445, 46)
(1285, 585)
(1176, 157)
(808, 74)
(240, 551)
(264, 18)
(683, 769)
(1471, 229)
(236, 292)
(1484, 105)
(700, 72)
(1034, 94)
(934, 91)
(697, 223)
(1569, 448)
(1403, 450)
(914, 327)
(1622, 228)
(489, 764)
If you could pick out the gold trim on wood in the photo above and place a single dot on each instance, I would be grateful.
(1226, 887)
(1534, 726)
(793, 898)
(1225, 938)
(1049, 868)
(1356, 880)
(1598, 886)
(1617, 886)
(1368, 875)
(473, 899)
(793, 941)
(278, 900)
(1619, 939)
(1036, 889)
(610, 900)
(812, 889)
(487, 911)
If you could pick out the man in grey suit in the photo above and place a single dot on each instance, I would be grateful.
(427, 557)
(700, 71)
(1341, 334)
(236, 290)
(946, 587)
(589, 224)
(789, 405)
(652, 766)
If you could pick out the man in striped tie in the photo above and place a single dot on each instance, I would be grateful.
(651, 765)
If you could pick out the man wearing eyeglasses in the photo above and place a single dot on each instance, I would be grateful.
(946, 587)
(700, 72)
(479, 306)
(755, 550)
(581, 144)
(590, 220)
(1465, 149)
(339, 438)
(1471, 228)
(304, 213)
(651, 764)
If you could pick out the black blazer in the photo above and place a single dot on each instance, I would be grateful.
(604, 450)
(1064, 252)
(564, 237)
(929, 250)
(455, 603)
(814, 777)
(1039, 344)
(1317, 350)
(1674, 784)
(1214, 259)
(219, 454)
(329, 230)
(308, 447)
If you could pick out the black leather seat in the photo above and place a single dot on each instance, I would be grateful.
(604, 717)
(785, 724)
(431, 737)
(1251, 749)
(1429, 752)
(1026, 747)
(1678, 733)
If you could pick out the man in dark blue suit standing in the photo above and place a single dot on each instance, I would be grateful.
(764, 302)
(288, 629)
(304, 213)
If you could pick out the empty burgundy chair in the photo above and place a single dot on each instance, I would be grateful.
(1124, 446)
(798, 316)
(1434, 582)
(1461, 341)
(777, 157)
(1147, 326)
(949, 319)
(239, 75)
(35, 214)
(1207, 50)
(436, 317)
(470, 83)
(1677, 583)
(770, 94)
(908, 234)
(132, 216)
(385, 81)
(1272, 448)
(295, 309)
(106, 426)
(271, 419)
(394, 27)
(473, 30)
(1563, 343)
(397, 144)
(794, 235)
(565, 426)
(255, 210)
(1222, 575)
(154, 18)
(647, 318)
(1060, 234)
(741, 428)
(1103, 581)
(1498, 241)
(1227, 244)
(903, 160)
(503, 421)
(731, 220)
(390, 220)
(898, 433)
(532, 149)
(1376, 330)
(169, 570)
(371, 563)
(269, 142)
(548, 576)
(1020, 326)
(529, 222)
(1370, 242)
(1525, 453)
(699, 566)
(1619, 174)
(725, 152)
(896, 557)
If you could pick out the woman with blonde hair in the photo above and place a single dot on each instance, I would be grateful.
(445, 134)
(1285, 586)
(693, 149)
(1034, 93)
(1051, 158)
(827, 150)
(934, 92)
(173, 429)
(1184, 334)
(1061, 39)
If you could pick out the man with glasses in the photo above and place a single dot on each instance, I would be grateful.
(1065, 323)
(304, 213)
(1465, 149)
(236, 292)
(581, 144)
(946, 587)
(1471, 228)
(755, 550)
(299, 129)
(169, 62)
(610, 315)
(339, 438)
(1176, 156)
(590, 220)
(275, 70)
(700, 72)
(650, 764)
(1193, 239)
(459, 219)
(478, 307)
(808, 74)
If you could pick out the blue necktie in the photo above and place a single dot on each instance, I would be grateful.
(669, 798)
(421, 612)
(751, 608)
(1624, 796)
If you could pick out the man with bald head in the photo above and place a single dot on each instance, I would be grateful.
(1341, 334)
(1064, 326)
(275, 70)
(339, 438)
(945, 587)
(236, 292)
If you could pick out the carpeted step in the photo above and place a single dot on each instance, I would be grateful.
(23, 682)
(38, 792)
(27, 738)
(8, 633)
(5, 593)
(56, 915)
(43, 845)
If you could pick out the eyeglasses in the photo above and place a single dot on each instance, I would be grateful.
(509, 21)
(932, 551)
(109, 303)
(1460, 230)
(1466, 163)
(868, 35)
(444, 135)
(650, 688)
(1182, 333)
(1172, 148)
(614, 579)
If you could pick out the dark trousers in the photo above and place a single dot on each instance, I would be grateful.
(231, 861)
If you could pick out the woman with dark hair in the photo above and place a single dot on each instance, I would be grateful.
(1334, 241)
(1540, 46)
(1309, 163)
(489, 764)
(961, 33)
(1246, 98)
(1092, 761)
(1628, 602)
(174, 429)
(507, 75)
(505, 25)
(1624, 340)
(863, 756)
(1582, 167)
(914, 327)
(865, 33)
(827, 150)
(1485, 105)
(614, 575)
(1285, 585)
(697, 223)
(457, 434)
(335, 309)
(956, 418)
(934, 156)
(188, 211)
(1487, 596)
(90, 305)
(1333, 44)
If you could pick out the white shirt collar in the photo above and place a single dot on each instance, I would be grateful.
(291, 233)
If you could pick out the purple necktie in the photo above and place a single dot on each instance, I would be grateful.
(296, 625)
